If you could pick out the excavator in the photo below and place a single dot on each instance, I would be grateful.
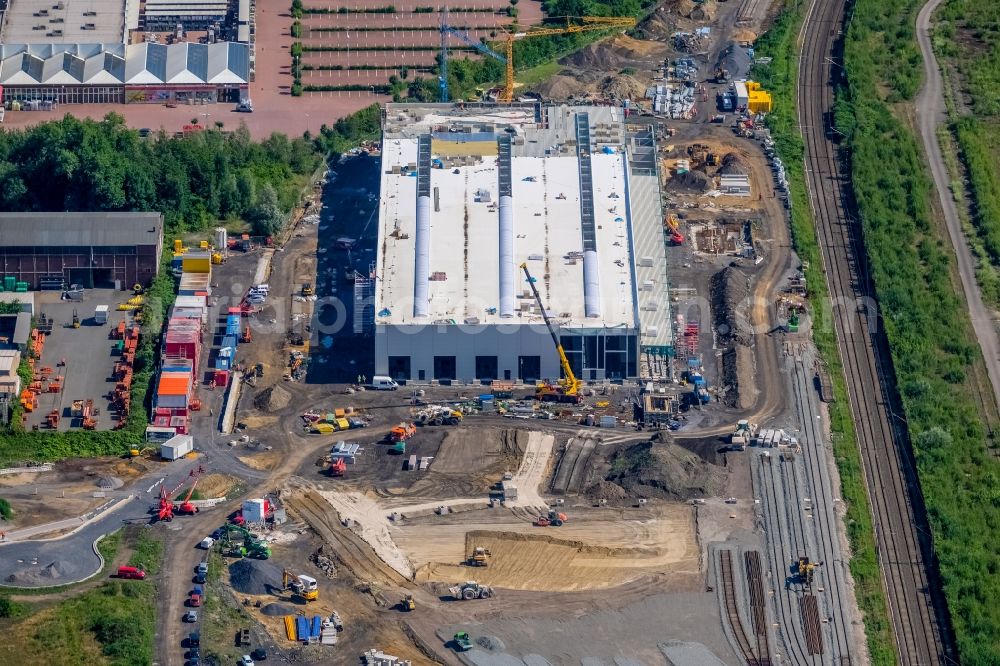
(302, 585)
(567, 390)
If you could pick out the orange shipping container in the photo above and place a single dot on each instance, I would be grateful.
(172, 383)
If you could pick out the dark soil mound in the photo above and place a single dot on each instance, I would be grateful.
(254, 577)
(665, 470)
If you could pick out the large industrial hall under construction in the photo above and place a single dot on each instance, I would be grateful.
(476, 201)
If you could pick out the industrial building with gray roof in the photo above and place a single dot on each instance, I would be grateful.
(53, 250)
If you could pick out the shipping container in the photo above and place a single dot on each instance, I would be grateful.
(173, 390)
(197, 262)
(193, 284)
(177, 447)
(101, 314)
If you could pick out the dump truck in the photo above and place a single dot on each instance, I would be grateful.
(471, 590)
(479, 557)
(402, 432)
(438, 415)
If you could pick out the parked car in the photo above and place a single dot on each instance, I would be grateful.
(191, 616)
(260, 654)
(245, 660)
(206, 543)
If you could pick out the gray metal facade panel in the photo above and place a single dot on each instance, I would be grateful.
(79, 229)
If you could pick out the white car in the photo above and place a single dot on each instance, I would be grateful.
(206, 543)
(245, 660)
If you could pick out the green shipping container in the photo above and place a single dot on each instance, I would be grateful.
(9, 282)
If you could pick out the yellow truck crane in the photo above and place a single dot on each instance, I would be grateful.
(567, 390)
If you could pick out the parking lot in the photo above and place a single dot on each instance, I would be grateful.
(89, 354)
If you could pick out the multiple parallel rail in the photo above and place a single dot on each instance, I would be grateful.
(916, 605)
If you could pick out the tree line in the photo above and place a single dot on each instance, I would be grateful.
(195, 180)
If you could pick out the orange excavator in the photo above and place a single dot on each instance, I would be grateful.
(338, 467)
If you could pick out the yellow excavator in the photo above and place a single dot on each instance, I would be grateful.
(567, 390)
(304, 586)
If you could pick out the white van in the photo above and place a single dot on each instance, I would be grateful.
(383, 383)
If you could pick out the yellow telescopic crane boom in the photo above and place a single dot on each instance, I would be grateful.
(588, 24)
(570, 384)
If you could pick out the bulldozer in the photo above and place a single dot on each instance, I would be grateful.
(479, 557)
(439, 415)
(805, 569)
(302, 585)
(471, 590)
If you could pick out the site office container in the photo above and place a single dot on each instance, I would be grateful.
(197, 262)
(176, 419)
(221, 378)
(174, 389)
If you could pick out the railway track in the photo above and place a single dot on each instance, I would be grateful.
(916, 605)
(755, 652)
(819, 490)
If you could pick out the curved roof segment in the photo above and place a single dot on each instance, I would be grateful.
(116, 64)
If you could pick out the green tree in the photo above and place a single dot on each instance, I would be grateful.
(265, 215)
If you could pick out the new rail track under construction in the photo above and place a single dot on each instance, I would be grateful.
(918, 613)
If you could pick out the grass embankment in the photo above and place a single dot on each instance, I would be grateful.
(113, 623)
(221, 617)
(926, 323)
(780, 78)
(967, 43)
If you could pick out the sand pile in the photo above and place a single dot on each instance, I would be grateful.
(605, 490)
(272, 399)
(254, 577)
(560, 87)
(622, 87)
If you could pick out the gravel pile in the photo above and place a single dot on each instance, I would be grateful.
(43, 575)
(490, 643)
(272, 399)
(254, 577)
(277, 610)
(690, 181)
(733, 164)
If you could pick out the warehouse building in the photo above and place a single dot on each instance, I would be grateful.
(53, 250)
(468, 196)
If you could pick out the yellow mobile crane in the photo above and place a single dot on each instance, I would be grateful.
(569, 386)
(587, 24)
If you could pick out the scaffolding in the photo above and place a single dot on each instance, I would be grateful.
(364, 302)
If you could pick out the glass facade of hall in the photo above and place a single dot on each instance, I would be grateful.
(65, 94)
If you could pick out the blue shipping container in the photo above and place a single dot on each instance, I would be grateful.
(223, 363)
(317, 626)
(302, 628)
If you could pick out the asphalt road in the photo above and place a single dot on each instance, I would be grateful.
(75, 553)
(931, 112)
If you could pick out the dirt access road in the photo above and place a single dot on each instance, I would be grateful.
(931, 113)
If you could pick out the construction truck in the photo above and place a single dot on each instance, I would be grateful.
(567, 389)
(479, 557)
(402, 432)
(805, 570)
(438, 415)
(745, 431)
(555, 519)
(302, 585)
(471, 590)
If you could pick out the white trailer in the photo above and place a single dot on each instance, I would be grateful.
(101, 314)
(176, 447)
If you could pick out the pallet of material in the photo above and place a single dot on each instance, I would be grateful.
(290, 627)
